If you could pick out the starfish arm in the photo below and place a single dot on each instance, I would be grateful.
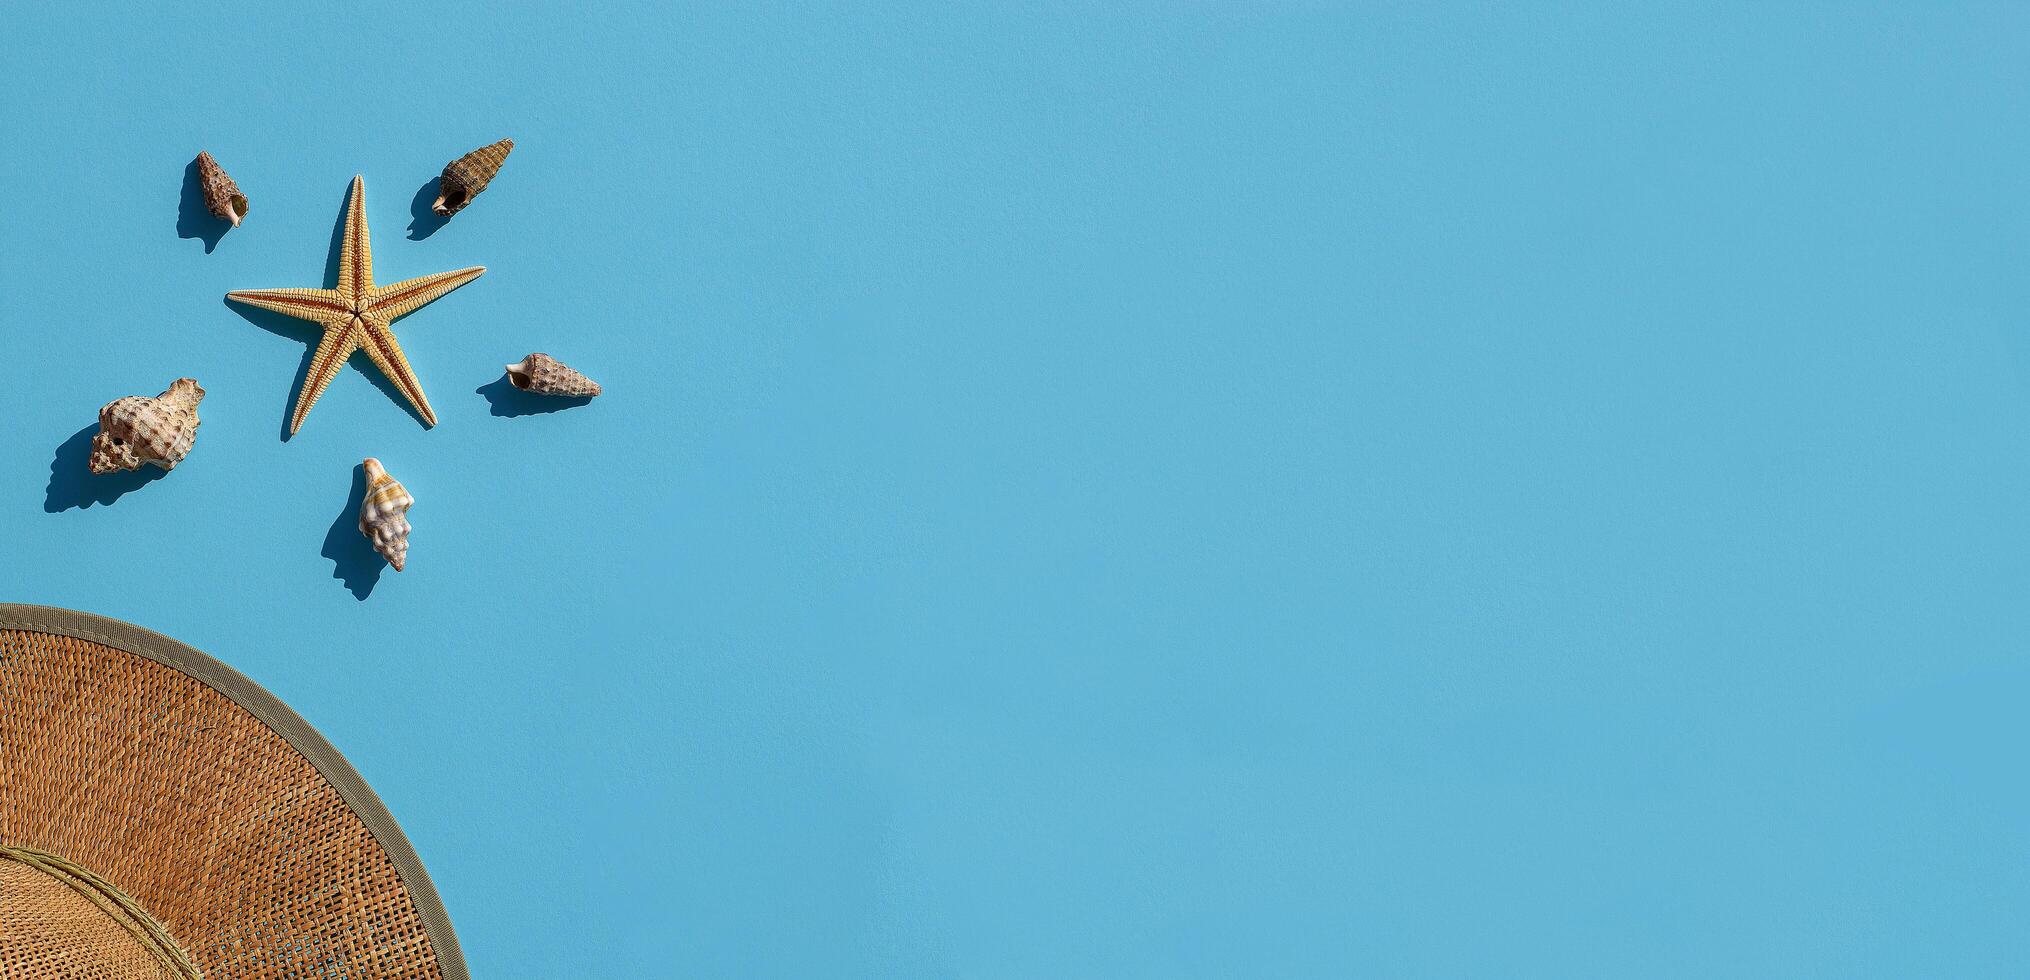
(379, 343)
(355, 251)
(338, 344)
(303, 304)
(409, 295)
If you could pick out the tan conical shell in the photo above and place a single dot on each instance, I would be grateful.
(383, 516)
(466, 176)
(137, 429)
(222, 197)
(545, 375)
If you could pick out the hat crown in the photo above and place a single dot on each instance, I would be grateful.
(61, 913)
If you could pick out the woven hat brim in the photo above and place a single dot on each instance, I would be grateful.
(283, 721)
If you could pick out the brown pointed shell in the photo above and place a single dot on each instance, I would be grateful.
(136, 430)
(466, 176)
(222, 197)
(545, 375)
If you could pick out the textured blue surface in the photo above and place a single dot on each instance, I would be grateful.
(1179, 490)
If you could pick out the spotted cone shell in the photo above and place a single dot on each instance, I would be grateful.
(545, 375)
(222, 197)
(383, 517)
(466, 176)
(138, 429)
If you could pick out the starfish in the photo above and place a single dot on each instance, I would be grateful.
(357, 314)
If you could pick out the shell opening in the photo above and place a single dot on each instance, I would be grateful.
(449, 202)
(519, 376)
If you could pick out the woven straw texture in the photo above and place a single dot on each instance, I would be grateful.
(206, 815)
(58, 920)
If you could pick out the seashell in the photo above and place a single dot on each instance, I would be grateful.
(137, 429)
(383, 516)
(466, 176)
(545, 375)
(221, 196)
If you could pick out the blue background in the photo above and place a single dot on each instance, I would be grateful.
(1157, 491)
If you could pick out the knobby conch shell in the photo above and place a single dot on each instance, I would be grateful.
(545, 375)
(222, 197)
(383, 517)
(466, 176)
(137, 429)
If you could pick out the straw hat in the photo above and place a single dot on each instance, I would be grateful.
(163, 817)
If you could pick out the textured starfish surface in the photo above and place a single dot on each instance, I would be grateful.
(356, 315)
